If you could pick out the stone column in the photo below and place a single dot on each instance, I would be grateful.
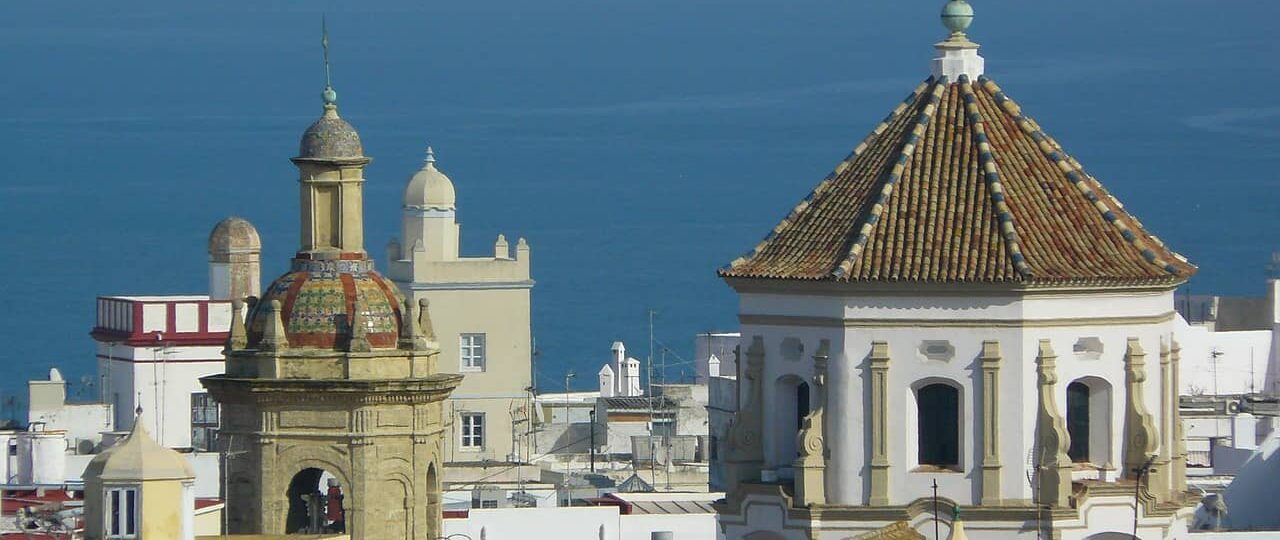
(745, 451)
(1140, 434)
(272, 479)
(1179, 463)
(879, 422)
(364, 477)
(990, 423)
(1052, 440)
(811, 465)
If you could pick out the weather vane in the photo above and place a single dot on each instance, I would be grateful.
(324, 44)
(330, 96)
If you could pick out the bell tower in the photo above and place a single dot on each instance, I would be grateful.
(331, 399)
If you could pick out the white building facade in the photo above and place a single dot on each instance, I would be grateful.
(960, 310)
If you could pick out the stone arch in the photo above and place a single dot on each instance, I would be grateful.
(398, 485)
(302, 458)
(1111, 535)
(315, 502)
(1089, 408)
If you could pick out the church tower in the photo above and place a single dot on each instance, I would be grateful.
(958, 315)
(331, 400)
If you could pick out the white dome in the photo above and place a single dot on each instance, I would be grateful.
(429, 188)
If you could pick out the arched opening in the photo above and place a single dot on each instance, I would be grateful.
(315, 503)
(1078, 421)
(938, 425)
(789, 409)
(1089, 421)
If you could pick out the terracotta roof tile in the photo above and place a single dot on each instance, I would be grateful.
(958, 185)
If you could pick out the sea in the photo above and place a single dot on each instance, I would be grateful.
(639, 145)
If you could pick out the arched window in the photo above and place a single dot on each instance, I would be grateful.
(1089, 420)
(1078, 421)
(938, 412)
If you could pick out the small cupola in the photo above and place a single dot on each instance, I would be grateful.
(429, 188)
(139, 489)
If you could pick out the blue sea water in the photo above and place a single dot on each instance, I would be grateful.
(638, 146)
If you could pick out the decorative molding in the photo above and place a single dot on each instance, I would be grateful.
(1140, 433)
(879, 423)
(467, 285)
(1052, 441)
(991, 473)
(745, 451)
(810, 466)
(881, 322)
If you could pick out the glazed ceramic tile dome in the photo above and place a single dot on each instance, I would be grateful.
(318, 301)
(330, 137)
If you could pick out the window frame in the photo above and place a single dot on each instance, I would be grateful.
(471, 434)
(120, 512)
(925, 452)
(208, 427)
(469, 361)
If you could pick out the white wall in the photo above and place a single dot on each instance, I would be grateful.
(963, 322)
(162, 381)
(581, 522)
(1240, 368)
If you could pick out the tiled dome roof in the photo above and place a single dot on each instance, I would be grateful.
(234, 234)
(318, 301)
(958, 185)
(330, 137)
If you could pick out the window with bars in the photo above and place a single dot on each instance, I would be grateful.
(473, 430)
(204, 421)
(122, 513)
(471, 351)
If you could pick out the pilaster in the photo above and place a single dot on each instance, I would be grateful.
(1140, 434)
(1162, 476)
(746, 453)
(1052, 440)
(879, 422)
(1178, 465)
(811, 465)
(990, 423)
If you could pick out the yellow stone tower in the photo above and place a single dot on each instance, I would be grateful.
(331, 400)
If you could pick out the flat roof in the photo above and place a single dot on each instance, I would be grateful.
(159, 298)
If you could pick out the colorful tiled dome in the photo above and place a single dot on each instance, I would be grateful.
(318, 302)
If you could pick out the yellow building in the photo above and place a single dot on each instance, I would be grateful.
(130, 491)
(481, 307)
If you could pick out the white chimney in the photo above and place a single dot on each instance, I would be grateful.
(631, 379)
(619, 367)
(608, 383)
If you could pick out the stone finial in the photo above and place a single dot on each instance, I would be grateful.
(411, 338)
(273, 334)
(501, 250)
(431, 155)
(957, 56)
(957, 15)
(239, 338)
(359, 329)
(424, 320)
